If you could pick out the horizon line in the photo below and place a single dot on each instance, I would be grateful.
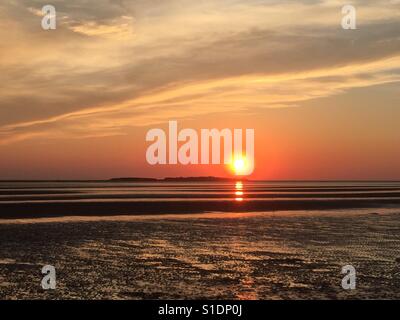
(167, 179)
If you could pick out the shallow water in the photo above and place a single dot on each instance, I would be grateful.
(47, 199)
(27, 192)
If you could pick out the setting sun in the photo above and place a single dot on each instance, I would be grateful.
(239, 165)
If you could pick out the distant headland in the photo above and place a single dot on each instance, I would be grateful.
(174, 179)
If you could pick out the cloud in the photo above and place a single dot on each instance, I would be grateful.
(112, 65)
(121, 28)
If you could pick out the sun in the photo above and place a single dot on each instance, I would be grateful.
(239, 165)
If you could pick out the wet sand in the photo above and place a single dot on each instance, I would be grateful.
(281, 255)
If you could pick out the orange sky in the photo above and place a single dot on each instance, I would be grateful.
(76, 102)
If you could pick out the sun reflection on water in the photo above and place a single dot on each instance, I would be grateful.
(239, 191)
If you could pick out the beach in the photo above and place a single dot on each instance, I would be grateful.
(270, 254)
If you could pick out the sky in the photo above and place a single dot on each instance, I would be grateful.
(76, 102)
